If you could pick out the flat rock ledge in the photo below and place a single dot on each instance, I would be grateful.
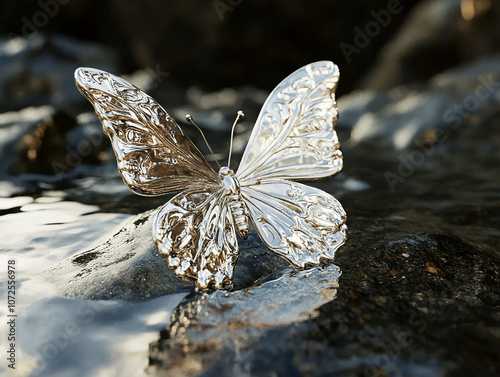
(127, 266)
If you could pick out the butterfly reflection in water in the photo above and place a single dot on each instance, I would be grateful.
(195, 232)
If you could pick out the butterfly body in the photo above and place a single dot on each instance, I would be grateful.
(231, 187)
(195, 232)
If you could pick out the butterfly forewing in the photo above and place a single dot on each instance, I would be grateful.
(300, 223)
(154, 156)
(195, 234)
(294, 136)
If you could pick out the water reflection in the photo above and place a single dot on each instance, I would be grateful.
(210, 327)
(62, 337)
(65, 337)
(51, 229)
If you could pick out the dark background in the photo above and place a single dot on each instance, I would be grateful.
(216, 44)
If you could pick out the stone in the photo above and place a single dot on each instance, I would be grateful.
(232, 323)
(15, 125)
(449, 103)
(47, 142)
(38, 71)
(128, 267)
(125, 267)
(437, 35)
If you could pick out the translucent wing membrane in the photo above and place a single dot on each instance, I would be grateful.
(154, 156)
(195, 234)
(294, 136)
(300, 223)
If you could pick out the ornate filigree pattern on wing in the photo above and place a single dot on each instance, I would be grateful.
(294, 136)
(154, 156)
(195, 234)
(300, 223)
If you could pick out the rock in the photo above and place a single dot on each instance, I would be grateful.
(231, 323)
(56, 146)
(393, 317)
(125, 267)
(14, 125)
(403, 117)
(437, 35)
(42, 138)
(39, 71)
(50, 142)
(40, 149)
(128, 267)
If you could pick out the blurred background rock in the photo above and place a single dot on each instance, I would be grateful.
(183, 51)
(214, 44)
(223, 43)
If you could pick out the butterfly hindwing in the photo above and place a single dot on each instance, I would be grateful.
(154, 156)
(195, 234)
(294, 136)
(300, 223)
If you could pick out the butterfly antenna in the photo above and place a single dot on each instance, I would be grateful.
(190, 119)
(238, 117)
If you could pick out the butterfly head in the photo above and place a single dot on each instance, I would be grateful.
(225, 171)
(229, 181)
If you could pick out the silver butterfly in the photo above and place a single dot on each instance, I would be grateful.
(195, 232)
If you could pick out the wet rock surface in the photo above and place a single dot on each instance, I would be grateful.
(419, 293)
(232, 323)
(128, 267)
(125, 267)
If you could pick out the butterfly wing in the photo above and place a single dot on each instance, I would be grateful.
(195, 234)
(154, 156)
(294, 136)
(300, 223)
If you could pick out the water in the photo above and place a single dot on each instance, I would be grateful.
(56, 336)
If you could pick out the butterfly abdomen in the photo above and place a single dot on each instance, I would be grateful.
(234, 202)
(239, 213)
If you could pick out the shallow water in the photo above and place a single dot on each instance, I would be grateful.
(56, 336)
